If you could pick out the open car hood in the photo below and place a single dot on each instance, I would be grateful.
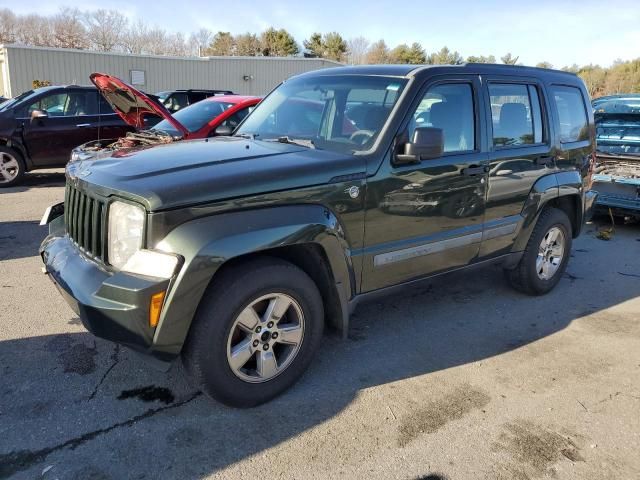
(130, 104)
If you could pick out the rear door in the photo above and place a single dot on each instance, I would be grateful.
(520, 152)
(427, 217)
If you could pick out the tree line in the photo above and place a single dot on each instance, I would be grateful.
(111, 31)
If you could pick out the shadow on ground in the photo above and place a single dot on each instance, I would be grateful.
(37, 179)
(94, 410)
(20, 239)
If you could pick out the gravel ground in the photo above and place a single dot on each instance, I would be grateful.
(464, 379)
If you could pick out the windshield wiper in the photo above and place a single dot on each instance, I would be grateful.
(293, 141)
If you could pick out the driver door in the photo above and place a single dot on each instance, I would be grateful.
(427, 217)
(70, 121)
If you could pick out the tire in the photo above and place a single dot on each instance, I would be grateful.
(215, 332)
(11, 167)
(527, 277)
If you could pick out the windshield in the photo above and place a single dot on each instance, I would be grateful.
(617, 105)
(344, 113)
(195, 116)
(14, 101)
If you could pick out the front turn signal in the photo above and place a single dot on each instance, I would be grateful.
(155, 307)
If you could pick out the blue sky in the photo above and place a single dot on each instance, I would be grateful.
(562, 32)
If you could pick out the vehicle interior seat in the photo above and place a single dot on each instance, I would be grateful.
(374, 118)
(449, 117)
(76, 106)
(513, 122)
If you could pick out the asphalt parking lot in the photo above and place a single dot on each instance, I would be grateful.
(463, 379)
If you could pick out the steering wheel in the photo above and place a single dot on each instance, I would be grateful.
(365, 134)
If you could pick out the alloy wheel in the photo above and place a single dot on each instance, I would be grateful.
(550, 253)
(265, 338)
(9, 167)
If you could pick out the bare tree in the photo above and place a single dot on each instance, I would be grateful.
(106, 28)
(35, 30)
(8, 26)
(176, 45)
(199, 41)
(68, 29)
(357, 50)
(134, 38)
(155, 42)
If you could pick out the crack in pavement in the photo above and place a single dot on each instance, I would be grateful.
(14, 462)
(115, 360)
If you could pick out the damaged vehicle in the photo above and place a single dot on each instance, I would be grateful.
(216, 115)
(617, 171)
(235, 253)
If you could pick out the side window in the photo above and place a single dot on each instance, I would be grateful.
(516, 114)
(53, 104)
(196, 97)
(367, 109)
(571, 112)
(450, 108)
(176, 101)
(81, 103)
(234, 120)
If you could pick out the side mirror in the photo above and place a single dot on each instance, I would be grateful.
(427, 143)
(38, 114)
(223, 131)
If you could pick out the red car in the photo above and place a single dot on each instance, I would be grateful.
(218, 115)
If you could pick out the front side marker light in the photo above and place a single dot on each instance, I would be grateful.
(155, 307)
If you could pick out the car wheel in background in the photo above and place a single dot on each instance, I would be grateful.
(11, 167)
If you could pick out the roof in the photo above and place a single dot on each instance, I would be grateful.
(412, 70)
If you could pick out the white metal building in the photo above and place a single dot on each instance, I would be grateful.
(20, 66)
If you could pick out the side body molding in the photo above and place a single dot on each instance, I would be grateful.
(553, 186)
(207, 243)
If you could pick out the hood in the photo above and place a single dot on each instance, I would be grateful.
(194, 172)
(130, 104)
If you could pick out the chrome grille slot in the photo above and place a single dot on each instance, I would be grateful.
(84, 221)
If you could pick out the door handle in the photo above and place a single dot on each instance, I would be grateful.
(82, 125)
(545, 160)
(475, 170)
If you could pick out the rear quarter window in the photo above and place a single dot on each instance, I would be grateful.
(572, 113)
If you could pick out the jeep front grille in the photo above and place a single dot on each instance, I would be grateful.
(84, 220)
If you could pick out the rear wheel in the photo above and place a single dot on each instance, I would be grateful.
(546, 256)
(255, 332)
(11, 167)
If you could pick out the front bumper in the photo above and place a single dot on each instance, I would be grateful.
(113, 306)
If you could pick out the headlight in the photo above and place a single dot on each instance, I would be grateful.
(126, 225)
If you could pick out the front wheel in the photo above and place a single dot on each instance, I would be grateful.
(546, 255)
(255, 332)
(11, 167)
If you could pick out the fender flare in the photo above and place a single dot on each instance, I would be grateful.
(207, 243)
(554, 186)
